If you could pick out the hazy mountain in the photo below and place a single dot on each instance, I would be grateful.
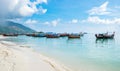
(12, 27)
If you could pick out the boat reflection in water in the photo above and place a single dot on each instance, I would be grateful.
(104, 40)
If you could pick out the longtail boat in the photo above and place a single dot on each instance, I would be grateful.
(30, 34)
(39, 35)
(10, 34)
(74, 36)
(52, 35)
(105, 36)
(64, 34)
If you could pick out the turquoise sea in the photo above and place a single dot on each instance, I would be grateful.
(84, 54)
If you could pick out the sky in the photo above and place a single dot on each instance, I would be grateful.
(63, 15)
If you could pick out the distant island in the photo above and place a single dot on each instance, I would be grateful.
(8, 27)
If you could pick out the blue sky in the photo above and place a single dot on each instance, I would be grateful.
(65, 15)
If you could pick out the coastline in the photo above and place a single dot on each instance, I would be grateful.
(15, 57)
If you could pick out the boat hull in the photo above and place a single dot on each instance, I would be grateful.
(52, 36)
(10, 34)
(104, 36)
(73, 36)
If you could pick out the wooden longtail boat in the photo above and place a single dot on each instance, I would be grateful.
(10, 34)
(73, 36)
(30, 34)
(64, 35)
(105, 36)
(52, 35)
(39, 35)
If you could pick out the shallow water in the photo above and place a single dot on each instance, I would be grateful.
(84, 54)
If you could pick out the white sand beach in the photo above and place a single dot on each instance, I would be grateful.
(15, 57)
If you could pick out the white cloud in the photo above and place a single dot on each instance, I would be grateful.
(42, 1)
(74, 21)
(53, 23)
(19, 20)
(41, 10)
(29, 21)
(101, 10)
(47, 23)
(97, 20)
(26, 11)
(21, 8)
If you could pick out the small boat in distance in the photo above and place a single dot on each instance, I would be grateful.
(30, 34)
(74, 36)
(52, 35)
(63, 34)
(10, 34)
(105, 36)
(39, 35)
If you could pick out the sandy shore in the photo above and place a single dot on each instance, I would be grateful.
(15, 57)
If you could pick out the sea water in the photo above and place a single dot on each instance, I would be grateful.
(84, 54)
